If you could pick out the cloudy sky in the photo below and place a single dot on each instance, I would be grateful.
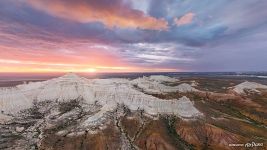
(133, 35)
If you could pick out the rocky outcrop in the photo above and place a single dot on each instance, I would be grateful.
(106, 92)
(253, 86)
(153, 86)
(161, 78)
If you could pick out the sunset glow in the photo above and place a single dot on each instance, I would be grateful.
(131, 36)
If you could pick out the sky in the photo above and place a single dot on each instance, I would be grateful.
(133, 35)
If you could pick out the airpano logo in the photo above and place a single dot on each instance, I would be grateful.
(247, 145)
(253, 144)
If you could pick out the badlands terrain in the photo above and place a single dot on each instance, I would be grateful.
(147, 113)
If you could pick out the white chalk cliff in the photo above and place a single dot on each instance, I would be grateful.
(108, 93)
(155, 85)
(161, 78)
(249, 86)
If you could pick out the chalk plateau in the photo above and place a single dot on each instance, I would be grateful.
(108, 93)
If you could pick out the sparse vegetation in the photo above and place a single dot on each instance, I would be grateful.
(68, 106)
(170, 123)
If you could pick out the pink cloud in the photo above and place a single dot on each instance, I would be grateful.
(116, 13)
(185, 19)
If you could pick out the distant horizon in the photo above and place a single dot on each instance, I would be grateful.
(230, 71)
(16, 78)
(54, 74)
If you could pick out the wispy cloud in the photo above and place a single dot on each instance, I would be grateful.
(155, 54)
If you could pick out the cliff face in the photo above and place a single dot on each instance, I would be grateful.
(106, 92)
(72, 112)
